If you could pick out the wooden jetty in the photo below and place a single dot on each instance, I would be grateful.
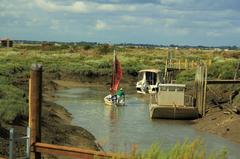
(170, 100)
(173, 66)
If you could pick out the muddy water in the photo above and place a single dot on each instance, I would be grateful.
(117, 128)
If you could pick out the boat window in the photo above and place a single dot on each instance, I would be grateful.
(171, 88)
(161, 77)
(151, 78)
(140, 76)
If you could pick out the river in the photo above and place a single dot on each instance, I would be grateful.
(117, 128)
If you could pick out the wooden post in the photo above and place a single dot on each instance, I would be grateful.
(186, 64)
(201, 89)
(35, 103)
(205, 90)
(179, 64)
(237, 70)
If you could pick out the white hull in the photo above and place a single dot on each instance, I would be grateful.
(119, 102)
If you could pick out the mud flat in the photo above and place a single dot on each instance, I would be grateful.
(219, 122)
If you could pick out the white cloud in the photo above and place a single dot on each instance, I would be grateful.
(16, 9)
(213, 34)
(55, 24)
(78, 7)
(128, 18)
(47, 5)
(33, 21)
(148, 21)
(174, 1)
(213, 24)
(84, 6)
(100, 25)
(181, 31)
(168, 22)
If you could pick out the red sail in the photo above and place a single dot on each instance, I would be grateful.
(117, 74)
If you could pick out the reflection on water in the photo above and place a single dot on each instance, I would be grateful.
(117, 128)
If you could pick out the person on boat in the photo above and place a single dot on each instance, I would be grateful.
(113, 96)
(120, 93)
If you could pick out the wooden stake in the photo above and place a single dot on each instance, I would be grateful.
(205, 91)
(35, 101)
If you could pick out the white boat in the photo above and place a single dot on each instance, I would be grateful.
(112, 99)
(148, 81)
(170, 102)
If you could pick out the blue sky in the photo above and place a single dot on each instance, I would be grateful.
(183, 22)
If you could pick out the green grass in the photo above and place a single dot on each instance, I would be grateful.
(188, 150)
(13, 103)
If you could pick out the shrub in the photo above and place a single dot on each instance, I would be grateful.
(222, 70)
(184, 76)
(104, 49)
(87, 47)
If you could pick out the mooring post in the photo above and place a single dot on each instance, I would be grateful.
(35, 107)
(11, 144)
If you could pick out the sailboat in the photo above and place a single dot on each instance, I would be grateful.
(112, 99)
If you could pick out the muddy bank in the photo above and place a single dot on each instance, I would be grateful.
(56, 123)
(221, 123)
(56, 129)
(220, 118)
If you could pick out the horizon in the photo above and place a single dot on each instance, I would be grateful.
(154, 22)
(167, 45)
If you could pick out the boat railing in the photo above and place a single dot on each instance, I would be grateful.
(189, 101)
(153, 98)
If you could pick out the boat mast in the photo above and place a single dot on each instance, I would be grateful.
(113, 68)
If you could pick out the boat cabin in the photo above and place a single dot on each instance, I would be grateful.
(148, 80)
(171, 94)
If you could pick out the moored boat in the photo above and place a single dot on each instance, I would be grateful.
(114, 100)
(170, 102)
(148, 81)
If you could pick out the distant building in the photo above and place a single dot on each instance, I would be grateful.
(217, 49)
(6, 43)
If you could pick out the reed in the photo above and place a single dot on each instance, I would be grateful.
(187, 150)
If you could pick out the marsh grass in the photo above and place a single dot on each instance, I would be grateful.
(187, 150)
(13, 103)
